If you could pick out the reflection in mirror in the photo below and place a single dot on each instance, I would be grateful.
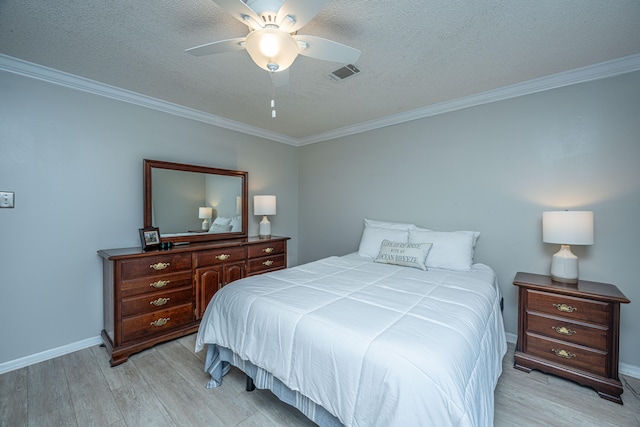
(175, 194)
(176, 208)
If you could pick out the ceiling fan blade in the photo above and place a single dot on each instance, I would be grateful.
(239, 10)
(281, 78)
(302, 11)
(327, 50)
(221, 46)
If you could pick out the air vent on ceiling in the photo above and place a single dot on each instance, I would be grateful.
(343, 73)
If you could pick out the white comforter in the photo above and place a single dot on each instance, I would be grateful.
(374, 344)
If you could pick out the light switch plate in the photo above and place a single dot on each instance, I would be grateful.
(7, 199)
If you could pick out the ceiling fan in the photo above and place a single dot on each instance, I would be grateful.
(273, 42)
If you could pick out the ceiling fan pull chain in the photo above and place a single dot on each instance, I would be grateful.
(273, 99)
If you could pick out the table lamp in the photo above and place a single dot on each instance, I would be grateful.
(264, 205)
(205, 214)
(566, 228)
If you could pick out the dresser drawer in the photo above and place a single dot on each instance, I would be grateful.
(266, 249)
(564, 353)
(265, 264)
(147, 285)
(155, 265)
(219, 256)
(156, 323)
(553, 327)
(148, 303)
(570, 308)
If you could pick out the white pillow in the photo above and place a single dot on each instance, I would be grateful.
(236, 223)
(475, 234)
(452, 250)
(372, 237)
(405, 254)
(387, 224)
(219, 228)
(221, 220)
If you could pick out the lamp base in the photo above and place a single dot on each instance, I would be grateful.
(205, 225)
(265, 228)
(564, 266)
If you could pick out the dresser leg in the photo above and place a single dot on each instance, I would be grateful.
(612, 398)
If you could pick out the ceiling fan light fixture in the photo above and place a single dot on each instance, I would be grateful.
(271, 46)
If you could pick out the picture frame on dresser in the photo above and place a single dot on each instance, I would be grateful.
(150, 238)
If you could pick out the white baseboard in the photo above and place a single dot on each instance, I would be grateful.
(623, 368)
(12, 365)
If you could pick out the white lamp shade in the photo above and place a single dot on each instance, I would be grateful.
(272, 49)
(264, 205)
(205, 213)
(567, 227)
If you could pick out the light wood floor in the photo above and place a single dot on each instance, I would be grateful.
(165, 386)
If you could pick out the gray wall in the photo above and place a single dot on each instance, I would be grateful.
(74, 161)
(495, 168)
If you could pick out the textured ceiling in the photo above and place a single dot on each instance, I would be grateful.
(414, 53)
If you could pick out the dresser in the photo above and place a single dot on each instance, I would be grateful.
(570, 330)
(155, 296)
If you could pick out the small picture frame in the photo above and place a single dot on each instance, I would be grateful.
(150, 238)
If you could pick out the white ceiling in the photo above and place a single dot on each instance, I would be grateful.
(415, 54)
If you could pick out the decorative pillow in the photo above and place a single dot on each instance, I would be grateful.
(405, 254)
(372, 237)
(221, 220)
(386, 224)
(219, 228)
(452, 250)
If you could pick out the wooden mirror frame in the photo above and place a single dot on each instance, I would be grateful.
(195, 237)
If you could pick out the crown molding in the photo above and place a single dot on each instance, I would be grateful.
(61, 78)
(602, 70)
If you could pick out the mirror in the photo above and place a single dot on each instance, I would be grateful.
(174, 195)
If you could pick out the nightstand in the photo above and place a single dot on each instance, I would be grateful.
(570, 330)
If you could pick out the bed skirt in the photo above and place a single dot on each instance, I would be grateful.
(219, 361)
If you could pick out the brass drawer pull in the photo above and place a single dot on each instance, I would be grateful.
(268, 250)
(563, 353)
(160, 301)
(160, 284)
(223, 257)
(563, 331)
(268, 263)
(565, 308)
(160, 266)
(161, 321)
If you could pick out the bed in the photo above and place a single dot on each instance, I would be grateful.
(355, 341)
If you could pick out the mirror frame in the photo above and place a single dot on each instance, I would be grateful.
(196, 237)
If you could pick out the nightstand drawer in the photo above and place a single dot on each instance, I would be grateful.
(219, 256)
(564, 353)
(558, 328)
(265, 264)
(266, 249)
(567, 307)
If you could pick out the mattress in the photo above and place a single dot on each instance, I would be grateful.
(372, 344)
